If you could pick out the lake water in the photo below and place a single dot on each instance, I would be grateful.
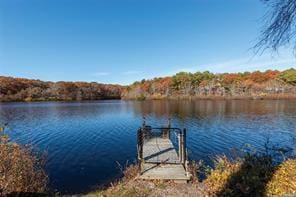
(85, 141)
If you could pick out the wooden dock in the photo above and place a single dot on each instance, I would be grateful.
(159, 158)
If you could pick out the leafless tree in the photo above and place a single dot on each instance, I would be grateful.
(279, 29)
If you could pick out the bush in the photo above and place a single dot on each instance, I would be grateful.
(194, 169)
(251, 176)
(141, 97)
(220, 175)
(157, 96)
(247, 176)
(20, 170)
(283, 181)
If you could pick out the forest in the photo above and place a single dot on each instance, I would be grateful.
(183, 85)
(268, 84)
(20, 89)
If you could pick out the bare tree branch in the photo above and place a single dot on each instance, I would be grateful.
(279, 29)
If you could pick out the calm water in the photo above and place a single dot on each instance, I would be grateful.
(84, 141)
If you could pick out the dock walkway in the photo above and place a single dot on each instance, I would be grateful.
(159, 158)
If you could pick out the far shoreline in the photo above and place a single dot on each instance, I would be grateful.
(178, 98)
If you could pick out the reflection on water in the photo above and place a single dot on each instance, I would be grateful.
(85, 140)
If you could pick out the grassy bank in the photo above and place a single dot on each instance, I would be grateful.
(251, 175)
(21, 171)
(129, 185)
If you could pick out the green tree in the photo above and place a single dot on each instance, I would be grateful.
(289, 76)
(181, 80)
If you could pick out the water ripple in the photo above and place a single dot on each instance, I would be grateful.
(85, 141)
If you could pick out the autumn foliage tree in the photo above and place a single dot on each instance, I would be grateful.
(271, 83)
(19, 89)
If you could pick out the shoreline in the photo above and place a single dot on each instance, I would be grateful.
(227, 178)
(252, 97)
(175, 98)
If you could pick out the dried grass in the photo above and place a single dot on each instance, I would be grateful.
(220, 175)
(20, 170)
(251, 176)
(194, 168)
(130, 172)
(129, 186)
(283, 181)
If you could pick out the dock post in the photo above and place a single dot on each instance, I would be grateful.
(140, 147)
(184, 149)
(180, 146)
(169, 128)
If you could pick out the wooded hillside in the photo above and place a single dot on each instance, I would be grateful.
(20, 89)
(268, 84)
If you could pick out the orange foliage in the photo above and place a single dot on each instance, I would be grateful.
(165, 82)
(230, 78)
(146, 86)
(260, 77)
(19, 89)
(209, 84)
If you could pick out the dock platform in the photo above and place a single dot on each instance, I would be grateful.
(159, 158)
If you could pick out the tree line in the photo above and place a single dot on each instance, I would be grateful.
(270, 83)
(20, 89)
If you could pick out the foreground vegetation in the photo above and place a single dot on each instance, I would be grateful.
(268, 84)
(21, 172)
(251, 175)
(130, 186)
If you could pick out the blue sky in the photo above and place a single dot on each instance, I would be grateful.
(126, 40)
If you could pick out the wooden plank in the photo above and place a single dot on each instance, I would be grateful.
(161, 161)
(160, 150)
(164, 172)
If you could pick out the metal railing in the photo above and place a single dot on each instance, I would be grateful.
(146, 133)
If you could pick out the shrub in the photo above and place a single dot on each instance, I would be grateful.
(220, 175)
(141, 97)
(283, 181)
(244, 177)
(252, 175)
(157, 96)
(194, 169)
(20, 170)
